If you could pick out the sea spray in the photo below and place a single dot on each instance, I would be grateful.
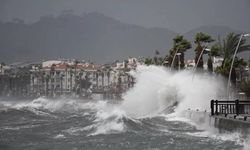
(149, 93)
(158, 89)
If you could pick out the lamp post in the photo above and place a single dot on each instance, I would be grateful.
(179, 61)
(231, 68)
(196, 65)
(172, 63)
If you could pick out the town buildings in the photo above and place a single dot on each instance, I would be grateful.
(64, 77)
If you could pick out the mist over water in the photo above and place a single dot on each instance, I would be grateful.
(153, 115)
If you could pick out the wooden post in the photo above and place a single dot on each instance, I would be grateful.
(212, 107)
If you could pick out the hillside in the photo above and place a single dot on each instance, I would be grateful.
(91, 36)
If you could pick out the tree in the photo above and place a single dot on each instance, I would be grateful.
(245, 87)
(157, 53)
(148, 61)
(230, 43)
(226, 49)
(86, 83)
(200, 40)
(180, 45)
(215, 51)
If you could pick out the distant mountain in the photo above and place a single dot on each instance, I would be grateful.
(91, 36)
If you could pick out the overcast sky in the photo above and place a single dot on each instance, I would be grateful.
(178, 15)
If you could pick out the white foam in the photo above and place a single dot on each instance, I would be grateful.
(246, 144)
(109, 119)
(59, 136)
(18, 127)
(234, 137)
(157, 88)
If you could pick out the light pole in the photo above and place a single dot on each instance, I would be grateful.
(172, 63)
(231, 68)
(196, 65)
(179, 61)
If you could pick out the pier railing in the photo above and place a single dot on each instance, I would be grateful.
(230, 107)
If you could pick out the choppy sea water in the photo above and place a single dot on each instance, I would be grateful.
(151, 116)
(80, 124)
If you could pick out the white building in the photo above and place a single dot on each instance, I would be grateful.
(4, 69)
(56, 77)
(217, 61)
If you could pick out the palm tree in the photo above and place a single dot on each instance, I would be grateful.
(201, 39)
(157, 53)
(245, 87)
(226, 50)
(180, 45)
(230, 44)
(148, 61)
(213, 53)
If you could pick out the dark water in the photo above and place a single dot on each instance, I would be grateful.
(74, 124)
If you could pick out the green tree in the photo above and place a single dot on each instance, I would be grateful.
(215, 51)
(245, 87)
(156, 57)
(226, 49)
(148, 61)
(201, 39)
(180, 45)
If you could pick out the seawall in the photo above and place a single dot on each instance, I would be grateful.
(220, 122)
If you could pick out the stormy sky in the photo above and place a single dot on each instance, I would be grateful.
(177, 15)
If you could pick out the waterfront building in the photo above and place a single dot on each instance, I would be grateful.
(4, 69)
(69, 77)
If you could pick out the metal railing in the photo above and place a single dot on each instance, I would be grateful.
(229, 107)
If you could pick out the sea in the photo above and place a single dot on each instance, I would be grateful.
(152, 116)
